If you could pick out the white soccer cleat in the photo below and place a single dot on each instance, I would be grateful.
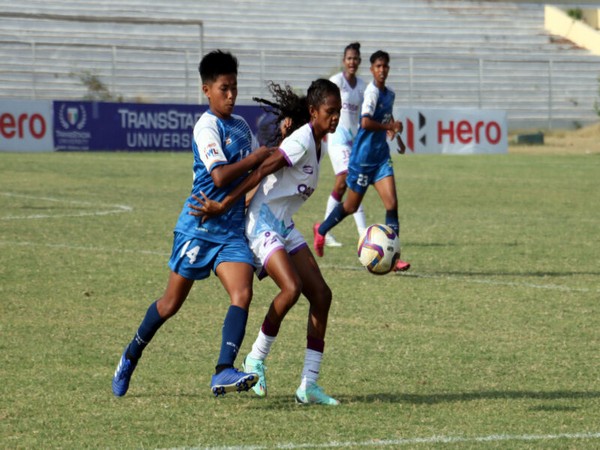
(331, 241)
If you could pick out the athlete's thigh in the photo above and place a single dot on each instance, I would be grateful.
(271, 251)
(282, 270)
(339, 156)
(263, 246)
(236, 278)
(306, 265)
(234, 267)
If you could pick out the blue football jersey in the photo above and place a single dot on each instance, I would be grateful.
(371, 147)
(217, 142)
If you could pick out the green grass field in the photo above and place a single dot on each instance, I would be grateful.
(492, 340)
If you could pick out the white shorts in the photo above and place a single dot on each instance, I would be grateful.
(264, 244)
(339, 156)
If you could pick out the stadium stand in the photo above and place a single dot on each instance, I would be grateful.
(493, 55)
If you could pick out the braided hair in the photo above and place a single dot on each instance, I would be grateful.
(289, 105)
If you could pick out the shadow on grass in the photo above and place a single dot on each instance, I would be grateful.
(540, 274)
(288, 401)
(431, 399)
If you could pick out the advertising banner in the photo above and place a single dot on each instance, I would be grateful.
(453, 131)
(131, 126)
(26, 126)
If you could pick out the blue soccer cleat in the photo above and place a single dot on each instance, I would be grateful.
(232, 380)
(120, 381)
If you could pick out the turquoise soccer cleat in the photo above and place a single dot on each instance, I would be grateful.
(313, 394)
(257, 366)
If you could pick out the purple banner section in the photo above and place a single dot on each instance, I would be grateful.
(102, 126)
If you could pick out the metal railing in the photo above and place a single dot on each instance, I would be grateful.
(541, 92)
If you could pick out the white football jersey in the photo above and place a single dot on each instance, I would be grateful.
(282, 193)
(352, 99)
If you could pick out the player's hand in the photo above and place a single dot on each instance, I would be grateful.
(401, 146)
(208, 208)
(263, 152)
(397, 126)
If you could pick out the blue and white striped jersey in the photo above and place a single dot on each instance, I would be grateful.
(371, 147)
(217, 142)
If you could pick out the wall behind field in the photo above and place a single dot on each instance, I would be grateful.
(493, 55)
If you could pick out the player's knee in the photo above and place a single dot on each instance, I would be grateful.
(242, 298)
(350, 208)
(168, 306)
(391, 205)
(340, 188)
(291, 289)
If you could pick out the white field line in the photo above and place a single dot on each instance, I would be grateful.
(458, 279)
(465, 279)
(99, 208)
(413, 441)
(86, 248)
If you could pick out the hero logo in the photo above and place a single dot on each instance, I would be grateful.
(22, 125)
(461, 131)
(466, 132)
(72, 117)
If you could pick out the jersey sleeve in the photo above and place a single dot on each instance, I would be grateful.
(369, 102)
(294, 148)
(208, 141)
(337, 79)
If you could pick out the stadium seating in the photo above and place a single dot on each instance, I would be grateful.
(444, 53)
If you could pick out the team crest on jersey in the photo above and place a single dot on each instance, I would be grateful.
(228, 140)
(308, 169)
(211, 151)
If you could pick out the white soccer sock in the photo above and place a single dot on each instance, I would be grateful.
(312, 365)
(359, 218)
(262, 346)
(331, 204)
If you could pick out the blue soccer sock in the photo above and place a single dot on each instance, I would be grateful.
(149, 326)
(335, 217)
(391, 220)
(234, 328)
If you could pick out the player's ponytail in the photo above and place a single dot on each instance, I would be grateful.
(287, 104)
(353, 46)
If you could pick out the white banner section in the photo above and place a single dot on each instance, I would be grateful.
(453, 131)
(26, 126)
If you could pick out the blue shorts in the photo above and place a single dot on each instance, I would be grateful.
(194, 258)
(359, 180)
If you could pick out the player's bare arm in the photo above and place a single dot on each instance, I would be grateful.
(226, 173)
(210, 208)
(395, 126)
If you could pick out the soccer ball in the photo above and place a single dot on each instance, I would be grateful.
(379, 249)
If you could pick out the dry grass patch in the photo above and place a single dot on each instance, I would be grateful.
(577, 142)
